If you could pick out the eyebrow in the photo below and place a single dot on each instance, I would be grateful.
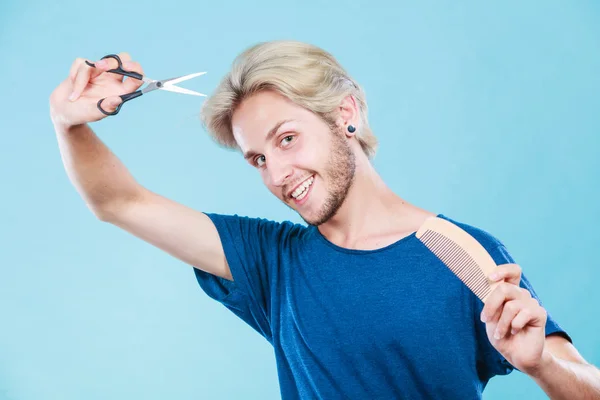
(272, 132)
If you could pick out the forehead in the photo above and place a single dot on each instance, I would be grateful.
(256, 115)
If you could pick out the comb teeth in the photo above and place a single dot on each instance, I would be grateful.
(458, 261)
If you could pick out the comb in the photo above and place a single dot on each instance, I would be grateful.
(461, 253)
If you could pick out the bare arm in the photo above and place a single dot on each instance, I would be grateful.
(182, 232)
(107, 186)
(97, 174)
(564, 374)
(516, 326)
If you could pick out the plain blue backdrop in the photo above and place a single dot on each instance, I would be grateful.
(486, 111)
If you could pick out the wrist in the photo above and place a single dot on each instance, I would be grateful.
(65, 127)
(547, 361)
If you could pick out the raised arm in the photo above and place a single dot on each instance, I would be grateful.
(105, 183)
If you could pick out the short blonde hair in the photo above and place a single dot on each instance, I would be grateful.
(303, 73)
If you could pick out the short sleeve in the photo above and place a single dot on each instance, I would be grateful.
(490, 361)
(250, 246)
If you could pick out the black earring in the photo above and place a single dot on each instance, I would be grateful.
(351, 128)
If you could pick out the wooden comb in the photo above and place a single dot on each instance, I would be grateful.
(461, 253)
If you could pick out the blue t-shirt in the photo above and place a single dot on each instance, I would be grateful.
(358, 324)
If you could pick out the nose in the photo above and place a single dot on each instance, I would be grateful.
(279, 172)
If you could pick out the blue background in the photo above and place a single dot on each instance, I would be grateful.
(486, 112)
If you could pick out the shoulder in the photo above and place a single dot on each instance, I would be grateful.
(256, 227)
(486, 238)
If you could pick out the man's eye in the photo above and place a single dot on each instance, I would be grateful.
(287, 139)
(259, 161)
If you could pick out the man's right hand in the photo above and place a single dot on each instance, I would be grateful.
(74, 101)
(105, 183)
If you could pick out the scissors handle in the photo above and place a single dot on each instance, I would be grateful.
(120, 71)
(124, 98)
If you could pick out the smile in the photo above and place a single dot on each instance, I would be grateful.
(300, 192)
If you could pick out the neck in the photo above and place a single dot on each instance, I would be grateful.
(387, 213)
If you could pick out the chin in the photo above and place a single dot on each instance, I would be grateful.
(309, 216)
(316, 218)
(310, 221)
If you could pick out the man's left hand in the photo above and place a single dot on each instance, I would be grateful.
(515, 322)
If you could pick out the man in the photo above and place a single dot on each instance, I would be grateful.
(353, 304)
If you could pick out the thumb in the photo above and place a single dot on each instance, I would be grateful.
(110, 104)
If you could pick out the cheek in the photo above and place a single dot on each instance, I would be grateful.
(310, 156)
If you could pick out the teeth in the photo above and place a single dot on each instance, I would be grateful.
(301, 191)
(302, 195)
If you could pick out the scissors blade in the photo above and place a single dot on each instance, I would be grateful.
(175, 81)
(170, 88)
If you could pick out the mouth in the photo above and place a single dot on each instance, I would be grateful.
(300, 193)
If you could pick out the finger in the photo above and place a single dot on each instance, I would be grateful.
(109, 63)
(74, 67)
(83, 76)
(109, 104)
(509, 311)
(132, 84)
(504, 292)
(510, 273)
(124, 57)
(534, 315)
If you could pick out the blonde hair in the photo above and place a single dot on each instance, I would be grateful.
(305, 74)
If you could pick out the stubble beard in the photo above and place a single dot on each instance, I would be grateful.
(338, 176)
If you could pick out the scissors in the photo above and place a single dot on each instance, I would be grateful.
(165, 84)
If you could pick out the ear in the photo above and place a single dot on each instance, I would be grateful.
(348, 115)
